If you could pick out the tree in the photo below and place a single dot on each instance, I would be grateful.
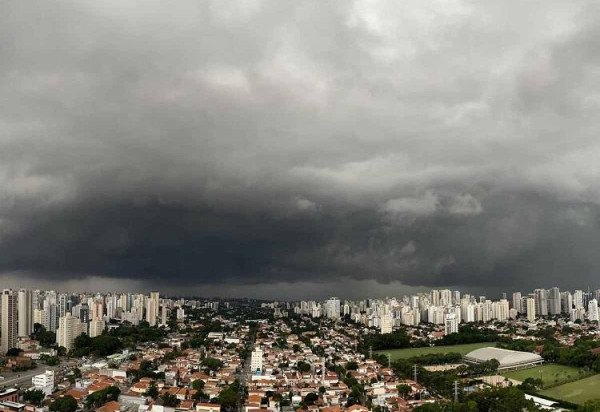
(13, 352)
(352, 366)
(168, 399)
(198, 384)
(65, 404)
(311, 398)
(303, 366)
(46, 338)
(404, 390)
(34, 396)
(146, 370)
(99, 398)
(229, 397)
(590, 406)
(212, 364)
(152, 391)
(50, 360)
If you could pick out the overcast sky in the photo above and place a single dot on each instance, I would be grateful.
(300, 149)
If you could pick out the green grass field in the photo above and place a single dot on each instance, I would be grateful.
(410, 352)
(550, 374)
(576, 392)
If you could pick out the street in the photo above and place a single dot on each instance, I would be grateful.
(19, 378)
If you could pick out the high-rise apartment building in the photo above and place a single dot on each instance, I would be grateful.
(566, 302)
(501, 310)
(96, 327)
(435, 297)
(386, 323)
(554, 306)
(445, 297)
(25, 312)
(531, 311)
(9, 319)
(69, 327)
(593, 310)
(517, 302)
(41, 316)
(152, 308)
(450, 323)
(97, 309)
(332, 308)
(578, 299)
(541, 302)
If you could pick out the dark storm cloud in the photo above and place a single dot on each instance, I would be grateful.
(268, 142)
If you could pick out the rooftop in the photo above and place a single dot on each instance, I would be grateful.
(507, 358)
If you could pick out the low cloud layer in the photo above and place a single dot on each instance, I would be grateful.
(210, 144)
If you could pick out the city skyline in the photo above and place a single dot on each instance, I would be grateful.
(299, 206)
(68, 315)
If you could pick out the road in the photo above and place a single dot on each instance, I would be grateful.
(245, 374)
(19, 378)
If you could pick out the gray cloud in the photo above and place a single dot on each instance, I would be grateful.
(267, 142)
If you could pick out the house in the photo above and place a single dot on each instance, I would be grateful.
(112, 406)
(208, 407)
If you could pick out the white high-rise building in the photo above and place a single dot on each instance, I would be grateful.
(151, 312)
(164, 315)
(541, 302)
(386, 324)
(97, 306)
(156, 297)
(152, 308)
(456, 297)
(501, 310)
(41, 316)
(445, 297)
(577, 314)
(96, 327)
(517, 302)
(467, 311)
(62, 304)
(554, 301)
(531, 309)
(450, 323)
(25, 312)
(435, 297)
(256, 361)
(593, 310)
(9, 332)
(111, 309)
(566, 302)
(332, 308)
(69, 327)
(578, 299)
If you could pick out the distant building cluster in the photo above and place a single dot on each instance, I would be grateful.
(70, 315)
(451, 308)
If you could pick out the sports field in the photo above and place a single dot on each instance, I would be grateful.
(410, 352)
(577, 391)
(550, 374)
